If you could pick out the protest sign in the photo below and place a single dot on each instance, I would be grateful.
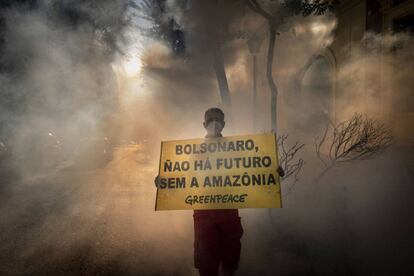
(219, 173)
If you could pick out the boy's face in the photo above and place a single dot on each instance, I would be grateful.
(214, 127)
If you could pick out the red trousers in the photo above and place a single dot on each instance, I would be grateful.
(217, 236)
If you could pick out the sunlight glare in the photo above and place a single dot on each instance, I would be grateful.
(132, 66)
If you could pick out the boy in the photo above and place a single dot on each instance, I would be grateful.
(217, 233)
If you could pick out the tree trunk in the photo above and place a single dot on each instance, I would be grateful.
(221, 74)
(254, 93)
(271, 82)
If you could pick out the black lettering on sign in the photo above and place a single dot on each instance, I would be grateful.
(203, 148)
(219, 163)
(219, 146)
(236, 180)
(195, 199)
(256, 162)
(243, 197)
(245, 179)
(239, 145)
(187, 149)
(256, 179)
(271, 179)
(225, 198)
(243, 162)
(249, 144)
(176, 166)
(217, 181)
(172, 183)
(163, 183)
(167, 166)
(194, 182)
(207, 165)
(217, 198)
(198, 165)
(212, 147)
(239, 180)
(227, 181)
(266, 161)
(207, 182)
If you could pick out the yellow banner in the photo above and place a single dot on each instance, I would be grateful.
(219, 173)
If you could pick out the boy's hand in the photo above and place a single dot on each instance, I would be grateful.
(280, 171)
(157, 181)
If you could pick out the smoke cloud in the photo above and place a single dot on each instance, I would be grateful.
(89, 91)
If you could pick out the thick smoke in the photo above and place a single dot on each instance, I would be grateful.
(65, 209)
(79, 78)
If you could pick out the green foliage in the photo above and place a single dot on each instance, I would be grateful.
(316, 7)
(309, 7)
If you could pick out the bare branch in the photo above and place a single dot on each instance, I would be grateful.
(359, 138)
(258, 9)
(289, 161)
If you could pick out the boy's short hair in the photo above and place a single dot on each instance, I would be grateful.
(213, 113)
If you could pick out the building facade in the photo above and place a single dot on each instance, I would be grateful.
(370, 64)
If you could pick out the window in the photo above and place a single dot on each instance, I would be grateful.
(316, 92)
